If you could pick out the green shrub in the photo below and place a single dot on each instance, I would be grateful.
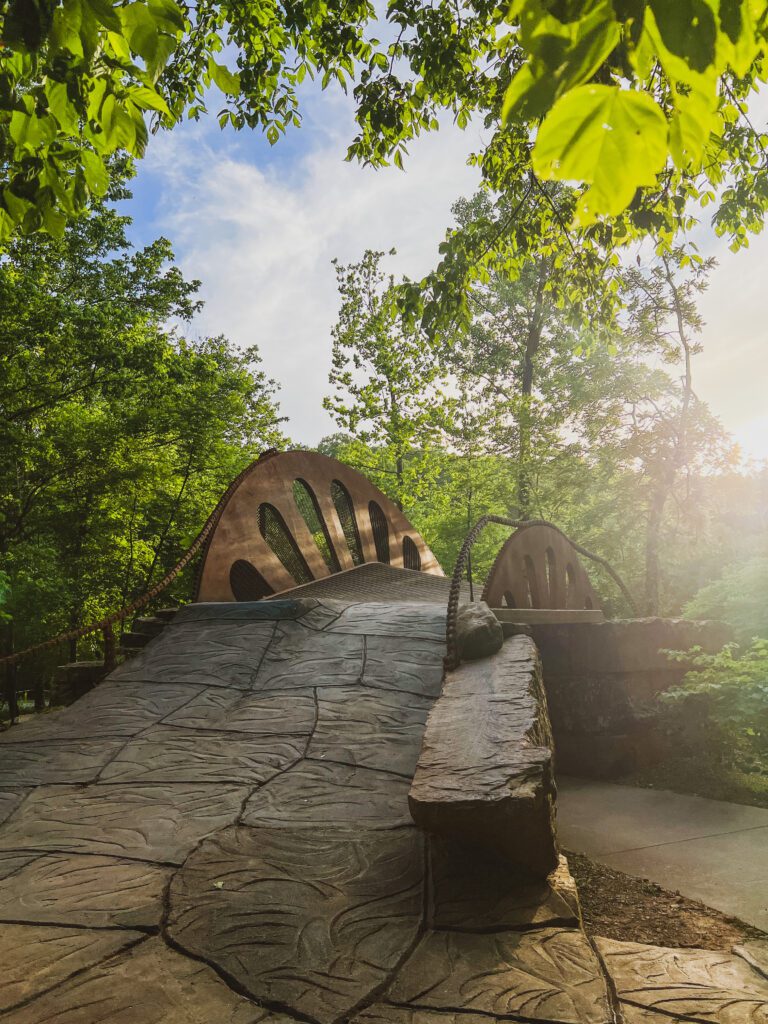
(739, 597)
(730, 691)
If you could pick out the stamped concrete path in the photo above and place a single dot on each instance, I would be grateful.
(708, 850)
(219, 834)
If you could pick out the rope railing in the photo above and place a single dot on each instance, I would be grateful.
(452, 659)
(106, 624)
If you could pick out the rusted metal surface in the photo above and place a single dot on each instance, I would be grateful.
(263, 544)
(452, 658)
(538, 568)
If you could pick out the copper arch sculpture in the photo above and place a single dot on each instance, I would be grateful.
(538, 567)
(264, 544)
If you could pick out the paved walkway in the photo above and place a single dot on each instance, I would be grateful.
(708, 850)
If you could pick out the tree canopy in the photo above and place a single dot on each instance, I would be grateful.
(643, 104)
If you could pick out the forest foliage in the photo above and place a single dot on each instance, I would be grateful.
(118, 433)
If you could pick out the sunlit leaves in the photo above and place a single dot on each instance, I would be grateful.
(610, 138)
(674, 54)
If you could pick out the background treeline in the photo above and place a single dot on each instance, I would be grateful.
(524, 409)
(118, 433)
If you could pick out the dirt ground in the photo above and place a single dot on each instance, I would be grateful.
(619, 906)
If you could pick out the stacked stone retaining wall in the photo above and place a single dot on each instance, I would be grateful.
(602, 681)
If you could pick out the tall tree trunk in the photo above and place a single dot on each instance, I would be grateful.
(653, 545)
(678, 459)
(524, 419)
(169, 523)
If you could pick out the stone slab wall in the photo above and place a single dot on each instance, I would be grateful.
(602, 680)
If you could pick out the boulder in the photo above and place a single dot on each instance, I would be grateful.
(478, 631)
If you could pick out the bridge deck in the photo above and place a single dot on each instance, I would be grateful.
(374, 581)
(220, 832)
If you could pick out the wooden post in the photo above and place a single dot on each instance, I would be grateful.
(10, 692)
(110, 650)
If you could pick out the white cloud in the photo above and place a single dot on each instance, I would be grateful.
(262, 240)
(260, 235)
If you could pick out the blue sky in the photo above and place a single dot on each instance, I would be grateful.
(259, 225)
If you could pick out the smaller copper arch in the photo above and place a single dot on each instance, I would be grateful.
(538, 568)
(353, 515)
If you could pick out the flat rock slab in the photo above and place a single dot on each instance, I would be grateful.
(402, 619)
(548, 975)
(209, 654)
(372, 729)
(385, 1013)
(259, 713)
(145, 822)
(316, 794)
(299, 658)
(167, 754)
(474, 890)
(693, 984)
(312, 923)
(64, 761)
(81, 890)
(9, 801)
(112, 709)
(149, 984)
(405, 664)
(35, 959)
(485, 770)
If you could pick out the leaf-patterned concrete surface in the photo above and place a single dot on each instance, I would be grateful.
(312, 923)
(546, 975)
(220, 833)
(375, 729)
(36, 959)
(148, 984)
(113, 709)
(144, 822)
(9, 801)
(315, 793)
(210, 654)
(36, 763)
(690, 984)
(81, 890)
(166, 754)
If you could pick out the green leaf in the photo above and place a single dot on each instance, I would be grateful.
(95, 172)
(528, 95)
(609, 138)
(30, 132)
(169, 12)
(61, 107)
(565, 54)
(149, 99)
(55, 221)
(7, 225)
(694, 119)
(688, 30)
(228, 82)
(105, 13)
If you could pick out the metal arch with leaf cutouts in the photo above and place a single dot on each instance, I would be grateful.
(538, 567)
(299, 516)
